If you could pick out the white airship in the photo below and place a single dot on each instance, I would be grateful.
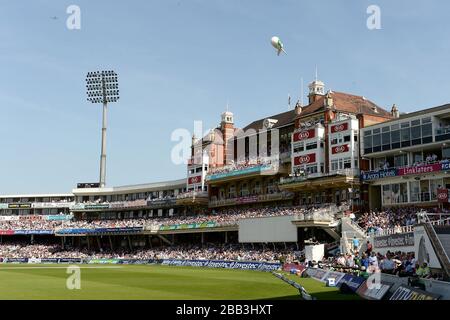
(277, 44)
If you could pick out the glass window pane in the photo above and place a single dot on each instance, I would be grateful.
(406, 134)
(415, 132)
(395, 136)
(426, 130)
(386, 138)
(368, 142)
(376, 140)
(405, 125)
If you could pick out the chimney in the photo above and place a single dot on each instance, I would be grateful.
(328, 101)
(395, 113)
(298, 109)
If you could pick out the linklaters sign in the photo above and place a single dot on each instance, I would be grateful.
(395, 240)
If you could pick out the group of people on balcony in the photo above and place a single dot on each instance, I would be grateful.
(393, 218)
(429, 159)
(221, 217)
(242, 164)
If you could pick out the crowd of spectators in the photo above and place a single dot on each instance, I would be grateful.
(396, 218)
(430, 158)
(393, 218)
(402, 264)
(207, 252)
(226, 216)
(243, 164)
(30, 224)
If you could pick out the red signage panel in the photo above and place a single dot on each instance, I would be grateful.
(195, 180)
(442, 195)
(309, 158)
(339, 127)
(303, 135)
(340, 149)
(427, 168)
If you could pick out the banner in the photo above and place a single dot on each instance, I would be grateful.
(410, 294)
(115, 230)
(104, 261)
(49, 260)
(237, 172)
(318, 274)
(339, 127)
(72, 231)
(378, 174)
(9, 218)
(156, 203)
(353, 282)
(133, 261)
(394, 240)
(58, 217)
(427, 168)
(16, 260)
(442, 195)
(19, 205)
(100, 206)
(303, 135)
(292, 266)
(337, 276)
(263, 266)
(340, 149)
(99, 230)
(135, 203)
(32, 217)
(309, 158)
(3, 206)
(51, 205)
(311, 272)
(6, 232)
(209, 224)
(29, 232)
(375, 292)
(69, 260)
(195, 180)
(34, 260)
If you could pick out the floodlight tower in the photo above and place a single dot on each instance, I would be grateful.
(102, 87)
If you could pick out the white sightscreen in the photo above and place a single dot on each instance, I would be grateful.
(270, 229)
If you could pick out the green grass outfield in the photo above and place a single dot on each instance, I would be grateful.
(140, 282)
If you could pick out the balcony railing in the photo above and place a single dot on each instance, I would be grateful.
(235, 170)
(252, 199)
(305, 176)
(193, 194)
(416, 168)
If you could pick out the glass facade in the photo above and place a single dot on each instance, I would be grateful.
(405, 134)
(419, 191)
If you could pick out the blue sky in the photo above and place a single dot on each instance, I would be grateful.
(182, 60)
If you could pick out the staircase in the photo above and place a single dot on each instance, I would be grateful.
(440, 239)
(349, 230)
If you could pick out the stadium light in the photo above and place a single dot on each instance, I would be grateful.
(102, 87)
